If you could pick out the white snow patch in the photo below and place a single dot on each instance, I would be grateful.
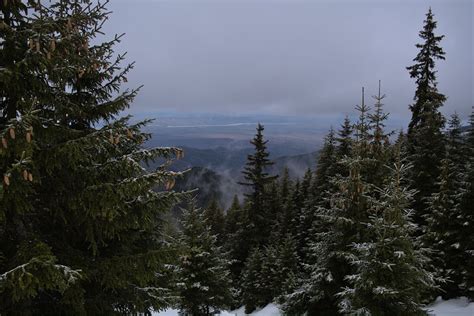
(269, 310)
(168, 312)
(455, 307)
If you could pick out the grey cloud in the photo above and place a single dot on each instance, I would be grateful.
(287, 57)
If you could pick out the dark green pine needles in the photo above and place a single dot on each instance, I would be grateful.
(80, 217)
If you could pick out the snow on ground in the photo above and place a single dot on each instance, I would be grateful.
(455, 307)
(269, 310)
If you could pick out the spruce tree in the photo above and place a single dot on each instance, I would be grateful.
(285, 186)
(335, 229)
(274, 204)
(326, 165)
(215, 218)
(203, 280)
(466, 198)
(305, 215)
(344, 143)
(254, 291)
(257, 178)
(270, 273)
(445, 219)
(344, 140)
(232, 217)
(287, 268)
(425, 137)
(306, 184)
(390, 270)
(379, 140)
(80, 222)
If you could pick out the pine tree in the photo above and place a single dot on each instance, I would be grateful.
(288, 222)
(285, 186)
(306, 184)
(326, 165)
(305, 215)
(425, 137)
(379, 140)
(257, 179)
(80, 221)
(203, 279)
(344, 140)
(215, 217)
(445, 219)
(336, 227)
(274, 204)
(344, 146)
(254, 291)
(390, 275)
(287, 271)
(466, 198)
(234, 245)
(232, 217)
(270, 273)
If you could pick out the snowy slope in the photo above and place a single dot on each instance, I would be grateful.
(455, 307)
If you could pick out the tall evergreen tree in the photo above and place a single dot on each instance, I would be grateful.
(466, 196)
(215, 218)
(254, 290)
(445, 218)
(344, 140)
(326, 165)
(379, 140)
(203, 279)
(80, 222)
(232, 217)
(344, 143)
(257, 178)
(336, 228)
(390, 275)
(425, 137)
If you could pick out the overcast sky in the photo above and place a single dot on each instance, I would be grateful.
(287, 57)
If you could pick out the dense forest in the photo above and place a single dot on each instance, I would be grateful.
(382, 225)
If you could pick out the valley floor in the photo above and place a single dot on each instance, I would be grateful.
(454, 307)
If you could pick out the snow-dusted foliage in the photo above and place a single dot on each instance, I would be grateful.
(80, 216)
(202, 273)
(390, 274)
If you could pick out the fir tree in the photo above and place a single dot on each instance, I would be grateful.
(203, 279)
(344, 140)
(285, 187)
(466, 198)
(287, 267)
(215, 218)
(379, 140)
(326, 165)
(257, 179)
(425, 137)
(80, 221)
(390, 275)
(306, 185)
(254, 291)
(233, 244)
(270, 273)
(336, 227)
(344, 146)
(445, 219)
(305, 215)
(232, 217)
